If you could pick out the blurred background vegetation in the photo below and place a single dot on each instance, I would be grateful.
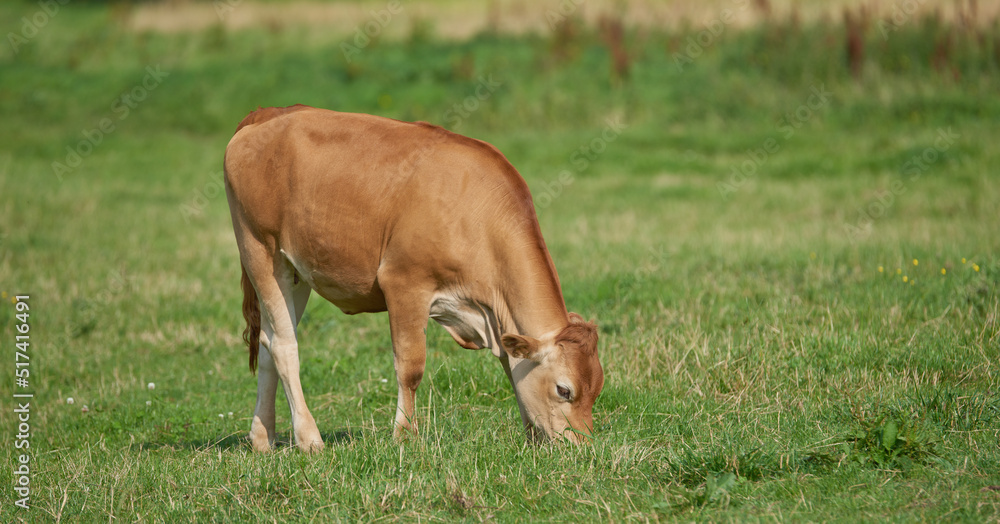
(693, 87)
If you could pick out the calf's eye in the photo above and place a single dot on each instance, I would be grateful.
(564, 392)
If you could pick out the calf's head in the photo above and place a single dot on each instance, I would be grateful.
(557, 379)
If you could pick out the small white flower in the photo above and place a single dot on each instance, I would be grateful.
(230, 413)
(150, 386)
(221, 415)
(384, 380)
(149, 402)
(69, 400)
(84, 409)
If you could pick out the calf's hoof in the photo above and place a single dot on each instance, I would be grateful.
(309, 441)
(260, 439)
(310, 446)
(403, 433)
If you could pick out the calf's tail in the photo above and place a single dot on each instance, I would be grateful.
(251, 313)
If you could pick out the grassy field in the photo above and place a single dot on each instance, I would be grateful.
(791, 251)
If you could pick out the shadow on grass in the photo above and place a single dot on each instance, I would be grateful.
(693, 470)
(696, 481)
(241, 440)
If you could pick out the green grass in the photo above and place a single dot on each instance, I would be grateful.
(759, 364)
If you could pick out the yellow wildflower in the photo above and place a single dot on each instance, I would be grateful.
(943, 271)
(881, 269)
(916, 262)
(976, 267)
(963, 260)
(905, 278)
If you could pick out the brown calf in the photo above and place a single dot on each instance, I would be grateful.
(381, 215)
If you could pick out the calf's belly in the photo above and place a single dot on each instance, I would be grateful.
(346, 283)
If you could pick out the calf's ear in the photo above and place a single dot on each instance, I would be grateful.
(520, 347)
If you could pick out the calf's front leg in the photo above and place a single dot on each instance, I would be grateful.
(408, 317)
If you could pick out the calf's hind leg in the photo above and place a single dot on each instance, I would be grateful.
(282, 302)
(262, 427)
